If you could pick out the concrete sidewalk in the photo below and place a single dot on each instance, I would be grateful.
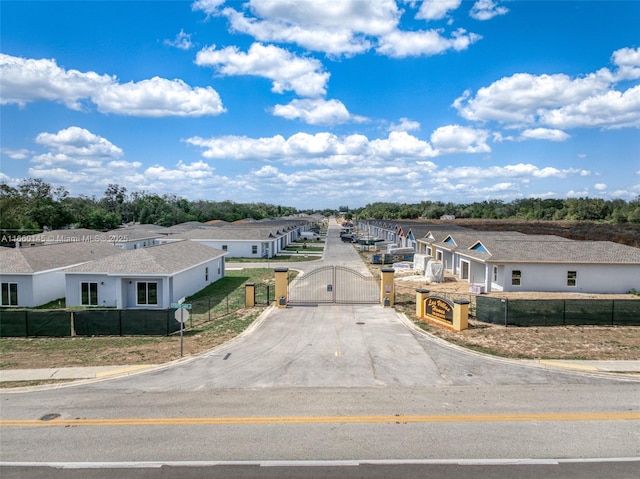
(15, 375)
(97, 372)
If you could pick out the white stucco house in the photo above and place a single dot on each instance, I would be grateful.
(34, 276)
(511, 261)
(147, 278)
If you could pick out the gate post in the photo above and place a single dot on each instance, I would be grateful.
(387, 291)
(460, 314)
(249, 295)
(421, 295)
(282, 286)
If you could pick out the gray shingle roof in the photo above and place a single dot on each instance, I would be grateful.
(253, 233)
(560, 250)
(53, 256)
(165, 259)
(514, 247)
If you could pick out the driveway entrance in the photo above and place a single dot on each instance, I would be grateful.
(334, 284)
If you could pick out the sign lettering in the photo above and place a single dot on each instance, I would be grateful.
(439, 308)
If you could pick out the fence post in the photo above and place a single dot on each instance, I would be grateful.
(506, 311)
(387, 290)
(282, 284)
(249, 295)
(421, 295)
(613, 311)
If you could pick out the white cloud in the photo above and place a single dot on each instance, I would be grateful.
(477, 174)
(400, 44)
(21, 154)
(436, 9)
(287, 71)
(158, 97)
(345, 27)
(320, 148)
(628, 62)
(210, 7)
(352, 168)
(182, 172)
(545, 104)
(27, 80)
(405, 125)
(544, 134)
(182, 41)
(23, 80)
(460, 139)
(518, 99)
(316, 111)
(486, 10)
(77, 141)
(336, 27)
(611, 109)
(600, 186)
(334, 41)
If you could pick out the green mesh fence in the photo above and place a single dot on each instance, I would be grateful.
(626, 312)
(148, 322)
(558, 312)
(490, 310)
(535, 313)
(97, 322)
(49, 323)
(588, 312)
(13, 324)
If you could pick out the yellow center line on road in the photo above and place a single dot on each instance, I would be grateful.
(216, 421)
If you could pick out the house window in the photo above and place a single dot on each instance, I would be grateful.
(495, 274)
(89, 294)
(147, 293)
(572, 278)
(439, 255)
(254, 249)
(516, 277)
(206, 274)
(224, 247)
(9, 294)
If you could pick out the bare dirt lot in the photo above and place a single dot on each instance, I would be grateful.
(549, 342)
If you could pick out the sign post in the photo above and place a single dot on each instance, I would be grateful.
(181, 315)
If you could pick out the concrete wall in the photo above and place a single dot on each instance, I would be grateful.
(193, 280)
(244, 248)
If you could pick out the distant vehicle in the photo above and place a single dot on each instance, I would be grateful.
(349, 238)
(309, 235)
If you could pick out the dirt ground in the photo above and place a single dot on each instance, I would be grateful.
(549, 342)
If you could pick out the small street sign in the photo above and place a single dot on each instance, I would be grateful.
(180, 305)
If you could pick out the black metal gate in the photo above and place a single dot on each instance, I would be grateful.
(334, 284)
(263, 294)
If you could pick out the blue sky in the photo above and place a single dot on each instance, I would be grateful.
(323, 103)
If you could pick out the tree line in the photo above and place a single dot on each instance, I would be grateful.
(570, 209)
(34, 205)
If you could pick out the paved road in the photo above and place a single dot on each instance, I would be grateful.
(344, 383)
